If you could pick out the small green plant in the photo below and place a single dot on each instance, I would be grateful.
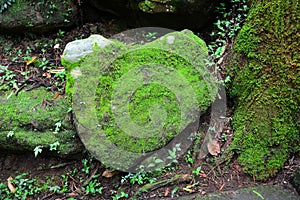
(197, 171)
(23, 187)
(189, 158)
(60, 33)
(10, 134)
(150, 35)
(7, 80)
(4, 4)
(93, 187)
(141, 177)
(155, 163)
(119, 195)
(57, 127)
(228, 24)
(41, 63)
(172, 153)
(174, 191)
(53, 146)
(65, 187)
(55, 189)
(37, 150)
(86, 168)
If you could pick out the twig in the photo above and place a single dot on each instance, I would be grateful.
(153, 186)
(47, 196)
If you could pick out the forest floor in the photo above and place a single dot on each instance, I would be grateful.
(72, 177)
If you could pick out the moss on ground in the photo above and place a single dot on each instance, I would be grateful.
(265, 68)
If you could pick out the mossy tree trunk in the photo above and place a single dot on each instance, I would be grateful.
(265, 72)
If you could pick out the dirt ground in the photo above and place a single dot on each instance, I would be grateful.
(212, 177)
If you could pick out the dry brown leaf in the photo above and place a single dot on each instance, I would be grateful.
(222, 186)
(57, 94)
(167, 191)
(203, 175)
(11, 187)
(32, 60)
(213, 147)
(185, 176)
(56, 46)
(56, 71)
(46, 74)
(108, 174)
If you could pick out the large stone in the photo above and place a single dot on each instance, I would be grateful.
(167, 13)
(130, 101)
(295, 180)
(78, 49)
(270, 192)
(34, 119)
(38, 17)
(75, 52)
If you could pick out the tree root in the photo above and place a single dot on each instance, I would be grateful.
(178, 178)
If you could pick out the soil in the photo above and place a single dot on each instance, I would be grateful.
(213, 176)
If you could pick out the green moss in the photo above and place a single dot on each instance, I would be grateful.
(266, 87)
(32, 117)
(136, 100)
(34, 110)
(150, 6)
(31, 14)
(74, 70)
(23, 140)
(148, 96)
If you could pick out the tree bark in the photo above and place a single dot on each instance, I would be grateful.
(265, 72)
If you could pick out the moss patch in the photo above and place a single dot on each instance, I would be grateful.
(40, 17)
(35, 110)
(266, 87)
(128, 102)
(144, 98)
(35, 119)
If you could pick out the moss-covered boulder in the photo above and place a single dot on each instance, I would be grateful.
(34, 119)
(24, 16)
(174, 14)
(131, 101)
(264, 67)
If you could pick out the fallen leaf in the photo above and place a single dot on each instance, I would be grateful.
(56, 46)
(108, 174)
(72, 194)
(203, 175)
(167, 191)
(188, 190)
(185, 176)
(11, 187)
(213, 147)
(32, 60)
(57, 94)
(46, 74)
(56, 71)
(222, 186)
